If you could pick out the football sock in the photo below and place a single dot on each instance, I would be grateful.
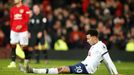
(13, 54)
(46, 71)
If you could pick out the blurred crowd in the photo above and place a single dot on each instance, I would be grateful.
(70, 20)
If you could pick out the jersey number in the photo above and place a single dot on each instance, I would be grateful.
(78, 69)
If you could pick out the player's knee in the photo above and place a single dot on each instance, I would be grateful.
(64, 69)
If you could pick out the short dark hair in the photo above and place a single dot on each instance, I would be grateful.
(93, 32)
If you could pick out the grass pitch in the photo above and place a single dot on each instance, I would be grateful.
(124, 68)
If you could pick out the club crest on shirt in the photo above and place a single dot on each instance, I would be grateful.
(21, 11)
(104, 47)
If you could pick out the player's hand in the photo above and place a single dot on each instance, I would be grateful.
(39, 35)
(18, 27)
(29, 35)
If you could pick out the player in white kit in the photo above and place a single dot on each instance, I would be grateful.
(97, 53)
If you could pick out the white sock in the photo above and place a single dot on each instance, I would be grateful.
(46, 71)
(39, 71)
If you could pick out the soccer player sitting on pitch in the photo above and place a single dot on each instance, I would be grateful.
(97, 53)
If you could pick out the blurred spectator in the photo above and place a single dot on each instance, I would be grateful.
(28, 3)
(1, 37)
(60, 44)
(1, 10)
(48, 40)
(119, 8)
(6, 31)
(76, 38)
(85, 4)
(130, 43)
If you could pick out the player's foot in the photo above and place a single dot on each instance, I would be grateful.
(22, 68)
(12, 65)
(29, 69)
(26, 69)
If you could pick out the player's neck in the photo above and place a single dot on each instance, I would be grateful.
(96, 41)
(37, 13)
(19, 4)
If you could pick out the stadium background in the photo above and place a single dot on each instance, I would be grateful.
(69, 20)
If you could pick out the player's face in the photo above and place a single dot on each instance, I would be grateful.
(36, 9)
(90, 39)
(17, 1)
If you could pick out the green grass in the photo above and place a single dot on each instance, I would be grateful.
(125, 68)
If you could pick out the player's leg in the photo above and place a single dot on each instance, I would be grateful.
(31, 44)
(43, 49)
(45, 56)
(60, 70)
(23, 38)
(37, 51)
(27, 56)
(13, 41)
(76, 69)
(37, 54)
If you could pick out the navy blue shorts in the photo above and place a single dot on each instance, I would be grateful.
(78, 69)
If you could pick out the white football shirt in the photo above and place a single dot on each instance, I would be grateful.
(96, 54)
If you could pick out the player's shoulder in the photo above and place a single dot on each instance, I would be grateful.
(101, 45)
(13, 7)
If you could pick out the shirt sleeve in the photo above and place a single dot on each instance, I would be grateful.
(44, 20)
(109, 64)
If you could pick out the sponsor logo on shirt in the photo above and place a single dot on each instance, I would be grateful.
(17, 16)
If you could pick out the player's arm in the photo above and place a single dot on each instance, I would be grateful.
(42, 28)
(43, 23)
(109, 64)
(26, 15)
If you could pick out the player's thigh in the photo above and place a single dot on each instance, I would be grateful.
(78, 69)
(14, 37)
(23, 38)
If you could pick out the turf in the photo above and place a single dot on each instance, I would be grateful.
(125, 68)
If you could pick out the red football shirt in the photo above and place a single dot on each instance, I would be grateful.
(19, 16)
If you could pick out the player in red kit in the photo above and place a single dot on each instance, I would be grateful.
(19, 18)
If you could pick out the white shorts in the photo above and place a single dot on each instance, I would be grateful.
(19, 37)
